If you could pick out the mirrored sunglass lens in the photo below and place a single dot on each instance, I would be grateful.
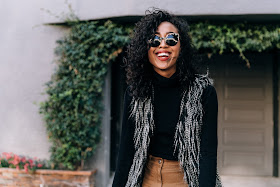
(170, 36)
(175, 36)
(155, 43)
(171, 42)
(171, 39)
(156, 37)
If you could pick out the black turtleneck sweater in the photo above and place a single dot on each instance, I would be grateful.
(167, 98)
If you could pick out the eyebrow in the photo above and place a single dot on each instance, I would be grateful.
(165, 33)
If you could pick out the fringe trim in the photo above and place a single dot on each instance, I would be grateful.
(142, 112)
(187, 136)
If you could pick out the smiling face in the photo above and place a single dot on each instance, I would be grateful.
(164, 57)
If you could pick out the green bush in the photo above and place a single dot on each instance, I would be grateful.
(73, 109)
(235, 37)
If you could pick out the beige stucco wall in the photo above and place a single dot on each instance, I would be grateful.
(26, 63)
(88, 9)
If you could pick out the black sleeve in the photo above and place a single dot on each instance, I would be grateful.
(209, 142)
(126, 150)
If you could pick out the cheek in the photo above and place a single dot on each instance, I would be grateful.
(150, 54)
(178, 48)
(177, 51)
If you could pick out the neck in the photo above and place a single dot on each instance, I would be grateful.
(166, 74)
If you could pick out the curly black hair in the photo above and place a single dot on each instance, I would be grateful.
(139, 70)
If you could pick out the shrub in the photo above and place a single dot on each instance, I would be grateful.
(73, 109)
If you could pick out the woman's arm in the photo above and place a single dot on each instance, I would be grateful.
(126, 150)
(208, 145)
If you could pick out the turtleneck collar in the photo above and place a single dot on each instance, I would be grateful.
(162, 81)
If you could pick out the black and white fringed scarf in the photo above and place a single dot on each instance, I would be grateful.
(187, 136)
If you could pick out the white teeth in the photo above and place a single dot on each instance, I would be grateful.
(162, 54)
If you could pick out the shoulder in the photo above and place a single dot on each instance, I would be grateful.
(202, 84)
(209, 90)
(209, 95)
(203, 80)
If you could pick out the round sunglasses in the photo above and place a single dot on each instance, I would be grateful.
(170, 39)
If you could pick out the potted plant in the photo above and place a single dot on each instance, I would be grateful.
(23, 171)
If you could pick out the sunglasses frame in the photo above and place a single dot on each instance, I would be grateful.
(165, 38)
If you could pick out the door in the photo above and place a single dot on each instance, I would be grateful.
(245, 118)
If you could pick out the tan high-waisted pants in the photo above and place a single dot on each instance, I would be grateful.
(160, 172)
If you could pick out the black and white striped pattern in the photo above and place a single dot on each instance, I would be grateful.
(187, 136)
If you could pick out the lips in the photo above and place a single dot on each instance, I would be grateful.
(163, 55)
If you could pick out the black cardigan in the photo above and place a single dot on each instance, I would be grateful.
(208, 147)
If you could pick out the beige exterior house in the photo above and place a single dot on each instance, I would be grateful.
(248, 98)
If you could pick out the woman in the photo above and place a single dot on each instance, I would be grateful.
(169, 132)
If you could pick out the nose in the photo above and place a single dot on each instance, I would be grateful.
(163, 44)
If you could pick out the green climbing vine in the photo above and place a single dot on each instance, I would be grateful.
(238, 37)
(73, 109)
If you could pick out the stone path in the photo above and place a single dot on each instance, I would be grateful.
(240, 181)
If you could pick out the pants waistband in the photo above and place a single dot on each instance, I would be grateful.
(156, 159)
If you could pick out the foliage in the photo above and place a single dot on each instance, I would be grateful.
(73, 109)
(11, 160)
(70, 17)
(236, 37)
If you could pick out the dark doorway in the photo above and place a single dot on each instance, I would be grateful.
(117, 95)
